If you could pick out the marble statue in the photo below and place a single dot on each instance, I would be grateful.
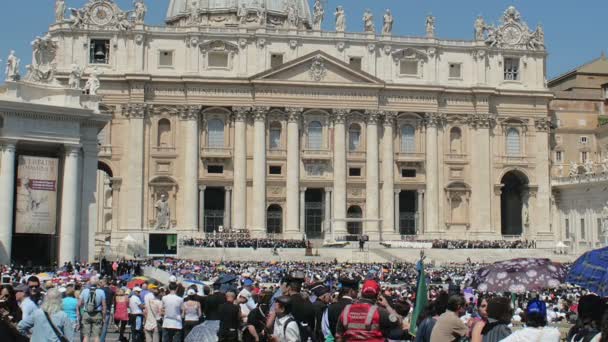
(75, 77)
(480, 28)
(589, 167)
(573, 169)
(242, 13)
(430, 26)
(93, 84)
(525, 210)
(42, 69)
(292, 14)
(194, 16)
(605, 164)
(122, 21)
(340, 19)
(77, 17)
(318, 15)
(59, 10)
(163, 213)
(536, 40)
(387, 26)
(140, 11)
(560, 170)
(12, 67)
(368, 21)
(262, 13)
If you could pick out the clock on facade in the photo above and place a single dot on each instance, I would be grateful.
(101, 14)
(511, 34)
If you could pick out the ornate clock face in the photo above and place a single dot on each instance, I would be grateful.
(511, 35)
(101, 14)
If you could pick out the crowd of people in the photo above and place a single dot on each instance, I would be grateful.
(285, 302)
(243, 243)
(482, 244)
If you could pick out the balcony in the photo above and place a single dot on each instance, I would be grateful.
(216, 153)
(405, 157)
(105, 151)
(276, 154)
(515, 160)
(163, 152)
(456, 158)
(320, 155)
(355, 156)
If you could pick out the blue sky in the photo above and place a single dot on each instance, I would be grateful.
(576, 31)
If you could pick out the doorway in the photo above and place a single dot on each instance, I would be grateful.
(512, 202)
(407, 212)
(214, 209)
(313, 213)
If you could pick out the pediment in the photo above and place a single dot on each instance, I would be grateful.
(316, 67)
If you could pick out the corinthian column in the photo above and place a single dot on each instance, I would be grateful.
(7, 199)
(432, 188)
(240, 168)
(293, 171)
(371, 175)
(134, 182)
(69, 205)
(481, 170)
(388, 175)
(340, 171)
(189, 119)
(259, 169)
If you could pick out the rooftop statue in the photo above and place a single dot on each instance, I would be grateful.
(12, 67)
(340, 19)
(513, 32)
(75, 77)
(387, 26)
(140, 11)
(430, 26)
(480, 28)
(368, 21)
(318, 15)
(292, 14)
(93, 84)
(103, 13)
(60, 8)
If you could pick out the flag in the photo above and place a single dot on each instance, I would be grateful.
(421, 297)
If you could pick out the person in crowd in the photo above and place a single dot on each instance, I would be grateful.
(499, 315)
(35, 292)
(536, 325)
(172, 315)
(301, 308)
(136, 315)
(70, 307)
(346, 296)
(153, 313)
(481, 319)
(285, 326)
(92, 302)
(323, 298)
(49, 323)
(208, 330)
(26, 304)
(9, 307)
(256, 320)
(121, 312)
(109, 294)
(371, 318)
(230, 318)
(246, 303)
(603, 337)
(192, 311)
(449, 327)
(590, 311)
(430, 315)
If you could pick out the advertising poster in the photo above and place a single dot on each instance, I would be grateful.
(36, 200)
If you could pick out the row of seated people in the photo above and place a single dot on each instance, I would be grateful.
(210, 242)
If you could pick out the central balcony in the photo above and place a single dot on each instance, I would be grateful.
(406, 157)
(312, 155)
(216, 153)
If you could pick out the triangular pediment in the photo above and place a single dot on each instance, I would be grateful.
(316, 67)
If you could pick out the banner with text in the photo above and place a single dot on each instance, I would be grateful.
(36, 202)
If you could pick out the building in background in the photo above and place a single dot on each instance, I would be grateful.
(579, 153)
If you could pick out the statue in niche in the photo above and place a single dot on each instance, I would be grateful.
(340, 19)
(480, 28)
(430, 26)
(93, 84)
(12, 67)
(387, 27)
(163, 213)
(59, 10)
(75, 77)
(140, 11)
(318, 15)
(525, 209)
(368, 21)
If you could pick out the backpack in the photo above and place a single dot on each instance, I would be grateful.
(306, 333)
(91, 304)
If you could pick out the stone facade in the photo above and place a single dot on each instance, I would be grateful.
(264, 126)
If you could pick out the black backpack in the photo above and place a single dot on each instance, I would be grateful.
(306, 333)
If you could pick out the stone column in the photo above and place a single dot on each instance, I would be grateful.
(389, 223)
(88, 205)
(134, 182)
(481, 171)
(293, 171)
(432, 188)
(371, 173)
(340, 171)
(7, 198)
(539, 203)
(201, 208)
(302, 209)
(189, 119)
(420, 207)
(397, 192)
(259, 169)
(327, 229)
(68, 241)
(227, 206)
(116, 184)
(240, 167)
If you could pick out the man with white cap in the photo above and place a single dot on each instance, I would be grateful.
(136, 314)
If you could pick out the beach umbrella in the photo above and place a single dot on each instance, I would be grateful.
(519, 275)
(135, 282)
(590, 271)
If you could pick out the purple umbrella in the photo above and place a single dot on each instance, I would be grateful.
(519, 275)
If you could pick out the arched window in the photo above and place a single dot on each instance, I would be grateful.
(164, 133)
(513, 142)
(274, 218)
(275, 135)
(408, 142)
(455, 140)
(356, 227)
(354, 137)
(215, 132)
(315, 135)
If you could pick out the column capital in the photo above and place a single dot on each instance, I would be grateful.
(390, 117)
(372, 116)
(294, 113)
(434, 119)
(481, 120)
(259, 113)
(8, 145)
(420, 191)
(240, 113)
(116, 183)
(228, 188)
(202, 187)
(397, 191)
(329, 189)
(71, 150)
(302, 189)
(189, 113)
(135, 110)
(90, 148)
(340, 114)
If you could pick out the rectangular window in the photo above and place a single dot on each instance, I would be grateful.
(165, 58)
(582, 229)
(567, 227)
(216, 169)
(584, 140)
(276, 59)
(455, 70)
(511, 69)
(274, 170)
(354, 172)
(218, 59)
(584, 156)
(408, 173)
(558, 156)
(99, 51)
(355, 62)
(408, 67)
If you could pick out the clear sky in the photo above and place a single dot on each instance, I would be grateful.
(576, 31)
